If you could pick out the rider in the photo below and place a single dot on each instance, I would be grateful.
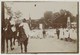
(24, 34)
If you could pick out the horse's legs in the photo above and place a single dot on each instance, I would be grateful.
(21, 48)
(25, 45)
(7, 45)
(15, 35)
(18, 38)
(14, 40)
(11, 44)
(25, 48)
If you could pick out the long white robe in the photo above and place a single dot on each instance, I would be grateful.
(67, 33)
(71, 33)
(74, 34)
(61, 33)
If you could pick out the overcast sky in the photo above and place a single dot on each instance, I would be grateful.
(28, 8)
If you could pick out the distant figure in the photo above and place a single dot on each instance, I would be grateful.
(67, 35)
(61, 33)
(72, 35)
(75, 34)
(58, 32)
(44, 33)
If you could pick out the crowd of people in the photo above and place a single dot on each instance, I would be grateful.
(67, 34)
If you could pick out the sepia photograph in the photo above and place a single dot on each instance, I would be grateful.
(39, 27)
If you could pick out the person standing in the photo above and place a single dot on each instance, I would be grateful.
(67, 35)
(44, 33)
(58, 32)
(61, 33)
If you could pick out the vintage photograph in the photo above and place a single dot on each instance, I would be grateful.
(39, 27)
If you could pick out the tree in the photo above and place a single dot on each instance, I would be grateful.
(62, 12)
(55, 15)
(9, 11)
(48, 15)
(18, 14)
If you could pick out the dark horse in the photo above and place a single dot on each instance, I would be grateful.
(8, 33)
(23, 39)
(15, 33)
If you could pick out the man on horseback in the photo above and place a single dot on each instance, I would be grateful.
(23, 36)
(8, 33)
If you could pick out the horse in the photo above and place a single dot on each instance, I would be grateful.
(23, 39)
(16, 33)
(8, 34)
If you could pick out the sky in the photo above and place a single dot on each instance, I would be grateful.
(36, 12)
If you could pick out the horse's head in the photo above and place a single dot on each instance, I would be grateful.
(6, 23)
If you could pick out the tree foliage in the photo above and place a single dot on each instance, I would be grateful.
(57, 18)
(18, 14)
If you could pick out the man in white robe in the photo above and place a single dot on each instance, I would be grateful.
(67, 34)
(61, 33)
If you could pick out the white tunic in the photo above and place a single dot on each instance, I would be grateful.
(13, 28)
(61, 33)
(74, 34)
(26, 28)
(67, 33)
(71, 33)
